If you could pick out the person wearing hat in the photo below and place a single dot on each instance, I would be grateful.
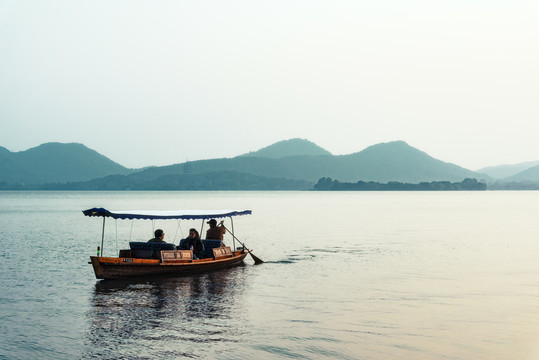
(159, 237)
(215, 232)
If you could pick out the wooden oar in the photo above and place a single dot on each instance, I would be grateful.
(256, 259)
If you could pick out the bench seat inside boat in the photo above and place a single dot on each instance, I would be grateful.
(176, 256)
(222, 252)
(148, 250)
(209, 245)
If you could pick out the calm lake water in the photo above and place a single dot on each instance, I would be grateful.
(348, 275)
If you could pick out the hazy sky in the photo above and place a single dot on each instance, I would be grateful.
(162, 82)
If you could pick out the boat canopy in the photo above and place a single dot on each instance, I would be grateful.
(165, 214)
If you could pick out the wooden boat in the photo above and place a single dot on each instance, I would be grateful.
(152, 259)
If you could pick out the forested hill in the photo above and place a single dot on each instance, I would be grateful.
(292, 164)
(394, 161)
(55, 162)
(286, 148)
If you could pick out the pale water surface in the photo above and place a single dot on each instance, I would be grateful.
(348, 275)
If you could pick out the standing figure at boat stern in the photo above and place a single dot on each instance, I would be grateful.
(159, 237)
(215, 232)
(193, 242)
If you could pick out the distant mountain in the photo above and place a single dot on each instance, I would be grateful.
(395, 161)
(292, 147)
(505, 171)
(398, 161)
(287, 165)
(530, 174)
(55, 162)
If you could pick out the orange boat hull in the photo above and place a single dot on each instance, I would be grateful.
(118, 267)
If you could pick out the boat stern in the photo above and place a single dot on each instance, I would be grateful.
(94, 260)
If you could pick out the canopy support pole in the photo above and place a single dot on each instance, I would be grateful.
(176, 234)
(116, 224)
(201, 229)
(131, 232)
(102, 237)
(233, 237)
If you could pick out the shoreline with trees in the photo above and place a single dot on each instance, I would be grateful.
(468, 184)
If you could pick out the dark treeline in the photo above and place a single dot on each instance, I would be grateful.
(231, 180)
(328, 184)
(514, 185)
(223, 180)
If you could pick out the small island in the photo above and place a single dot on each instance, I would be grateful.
(328, 184)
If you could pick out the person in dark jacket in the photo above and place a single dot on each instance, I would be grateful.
(193, 242)
(159, 237)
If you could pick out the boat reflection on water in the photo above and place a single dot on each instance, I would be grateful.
(183, 316)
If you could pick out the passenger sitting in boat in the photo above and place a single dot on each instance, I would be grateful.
(215, 232)
(193, 242)
(159, 237)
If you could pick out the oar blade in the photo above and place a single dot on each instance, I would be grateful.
(256, 259)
